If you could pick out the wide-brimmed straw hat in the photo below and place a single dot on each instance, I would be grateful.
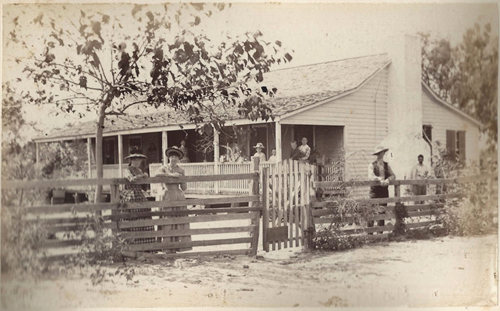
(379, 149)
(174, 151)
(135, 153)
(259, 145)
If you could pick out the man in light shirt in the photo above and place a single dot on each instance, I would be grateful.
(420, 171)
(272, 158)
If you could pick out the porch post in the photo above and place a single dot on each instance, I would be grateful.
(314, 138)
(37, 152)
(216, 159)
(279, 153)
(164, 146)
(120, 155)
(216, 146)
(89, 156)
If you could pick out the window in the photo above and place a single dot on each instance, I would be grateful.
(455, 144)
(427, 132)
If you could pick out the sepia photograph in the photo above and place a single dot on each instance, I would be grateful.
(225, 155)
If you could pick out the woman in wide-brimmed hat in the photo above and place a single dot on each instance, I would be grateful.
(134, 192)
(174, 192)
(258, 148)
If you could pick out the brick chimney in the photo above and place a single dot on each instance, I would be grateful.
(405, 141)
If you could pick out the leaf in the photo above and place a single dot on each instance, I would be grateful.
(83, 82)
(105, 19)
(197, 6)
(150, 16)
(197, 20)
(136, 9)
(96, 28)
(278, 43)
(259, 77)
(288, 57)
(38, 19)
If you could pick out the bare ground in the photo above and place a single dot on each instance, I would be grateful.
(450, 271)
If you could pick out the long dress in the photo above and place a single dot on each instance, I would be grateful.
(175, 192)
(134, 193)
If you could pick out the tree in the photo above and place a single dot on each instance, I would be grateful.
(466, 75)
(155, 56)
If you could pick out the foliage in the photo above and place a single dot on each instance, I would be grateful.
(333, 240)
(476, 213)
(156, 56)
(466, 75)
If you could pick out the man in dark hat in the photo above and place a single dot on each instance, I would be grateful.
(379, 170)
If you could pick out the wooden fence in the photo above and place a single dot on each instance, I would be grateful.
(170, 226)
(395, 214)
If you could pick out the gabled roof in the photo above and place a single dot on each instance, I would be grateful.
(297, 88)
(449, 106)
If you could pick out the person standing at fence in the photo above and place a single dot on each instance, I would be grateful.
(273, 158)
(175, 192)
(379, 170)
(134, 192)
(259, 153)
(305, 150)
(420, 171)
(295, 153)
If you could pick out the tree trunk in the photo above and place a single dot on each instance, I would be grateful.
(98, 151)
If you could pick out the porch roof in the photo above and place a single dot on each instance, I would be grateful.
(297, 88)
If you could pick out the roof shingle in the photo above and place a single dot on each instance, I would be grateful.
(297, 87)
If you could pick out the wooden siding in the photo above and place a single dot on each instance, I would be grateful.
(442, 119)
(364, 117)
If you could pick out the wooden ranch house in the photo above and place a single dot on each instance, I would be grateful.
(344, 107)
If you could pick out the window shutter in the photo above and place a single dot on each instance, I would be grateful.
(461, 145)
(451, 143)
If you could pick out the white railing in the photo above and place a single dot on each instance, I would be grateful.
(209, 168)
(195, 169)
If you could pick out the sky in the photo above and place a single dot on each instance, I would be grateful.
(316, 32)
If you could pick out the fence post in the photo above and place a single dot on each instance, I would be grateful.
(254, 190)
(398, 212)
(114, 198)
(265, 207)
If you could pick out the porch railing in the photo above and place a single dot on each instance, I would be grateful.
(196, 169)
(211, 168)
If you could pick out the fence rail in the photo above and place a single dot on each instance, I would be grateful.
(171, 226)
(357, 216)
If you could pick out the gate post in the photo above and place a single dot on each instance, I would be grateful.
(265, 207)
(254, 190)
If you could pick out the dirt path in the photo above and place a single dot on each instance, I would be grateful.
(438, 272)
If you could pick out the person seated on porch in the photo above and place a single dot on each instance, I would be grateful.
(273, 158)
(183, 148)
(259, 147)
(174, 192)
(236, 155)
(295, 153)
(305, 149)
(134, 192)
